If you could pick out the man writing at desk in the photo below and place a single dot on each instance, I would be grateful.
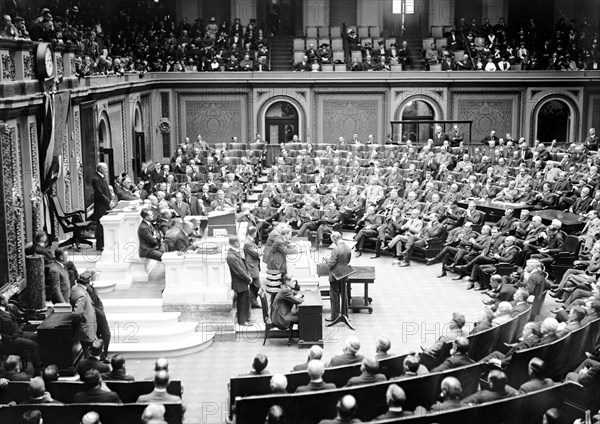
(285, 309)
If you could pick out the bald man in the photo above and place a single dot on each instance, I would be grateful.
(395, 399)
(350, 353)
(38, 394)
(315, 371)
(346, 411)
(369, 373)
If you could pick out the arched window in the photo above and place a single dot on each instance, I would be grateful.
(104, 134)
(417, 110)
(281, 122)
(553, 121)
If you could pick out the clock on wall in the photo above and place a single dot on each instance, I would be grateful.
(44, 59)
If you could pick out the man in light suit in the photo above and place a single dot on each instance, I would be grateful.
(84, 317)
(285, 311)
(102, 201)
(252, 254)
(240, 279)
(339, 258)
(59, 285)
(179, 206)
(149, 238)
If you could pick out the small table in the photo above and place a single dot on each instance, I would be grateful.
(310, 320)
(363, 275)
(570, 221)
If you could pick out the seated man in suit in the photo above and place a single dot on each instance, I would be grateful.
(459, 356)
(350, 353)
(259, 365)
(315, 370)
(284, 311)
(346, 411)
(118, 372)
(587, 374)
(537, 377)
(181, 208)
(12, 369)
(94, 392)
(315, 352)
(150, 242)
(501, 291)
(451, 390)
(93, 361)
(38, 394)
(530, 337)
(159, 394)
(382, 348)
(369, 374)
(452, 331)
(278, 384)
(395, 399)
(499, 389)
(153, 413)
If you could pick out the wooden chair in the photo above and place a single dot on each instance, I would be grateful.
(566, 258)
(269, 326)
(435, 246)
(71, 222)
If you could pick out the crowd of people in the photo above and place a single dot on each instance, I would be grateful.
(497, 388)
(141, 38)
(94, 373)
(573, 46)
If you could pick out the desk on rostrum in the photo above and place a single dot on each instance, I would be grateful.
(310, 320)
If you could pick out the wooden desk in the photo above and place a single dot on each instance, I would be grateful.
(363, 275)
(570, 221)
(310, 320)
(494, 209)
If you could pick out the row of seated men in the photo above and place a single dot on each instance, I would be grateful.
(533, 334)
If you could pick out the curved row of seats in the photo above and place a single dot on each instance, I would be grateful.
(481, 345)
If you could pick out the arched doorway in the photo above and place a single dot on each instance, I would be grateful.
(106, 153)
(553, 121)
(104, 134)
(139, 141)
(281, 122)
(417, 110)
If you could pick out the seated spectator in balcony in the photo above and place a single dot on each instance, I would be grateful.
(395, 400)
(503, 65)
(498, 389)
(431, 56)
(7, 29)
(350, 353)
(232, 65)
(352, 39)
(382, 65)
(404, 56)
(315, 370)
(369, 373)
(93, 390)
(451, 391)
(368, 64)
(118, 372)
(459, 356)
(448, 63)
(537, 371)
(38, 394)
(490, 66)
(302, 66)
(346, 411)
(314, 66)
(21, 28)
(246, 64)
(311, 52)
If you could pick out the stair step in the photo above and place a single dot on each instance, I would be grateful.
(193, 343)
(132, 306)
(144, 319)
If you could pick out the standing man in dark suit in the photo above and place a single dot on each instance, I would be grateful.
(84, 317)
(102, 201)
(102, 328)
(339, 258)
(240, 279)
(59, 287)
(252, 254)
(149, 238)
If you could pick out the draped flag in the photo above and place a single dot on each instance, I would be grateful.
(52, 127)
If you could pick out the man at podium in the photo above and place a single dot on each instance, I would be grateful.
(339, 263)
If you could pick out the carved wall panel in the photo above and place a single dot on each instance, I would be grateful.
(216, 117)
(488, 111)
(36, 193)
(595, 115)
(342, 114)
(78, 158)
(8, 66)
(13, 224)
